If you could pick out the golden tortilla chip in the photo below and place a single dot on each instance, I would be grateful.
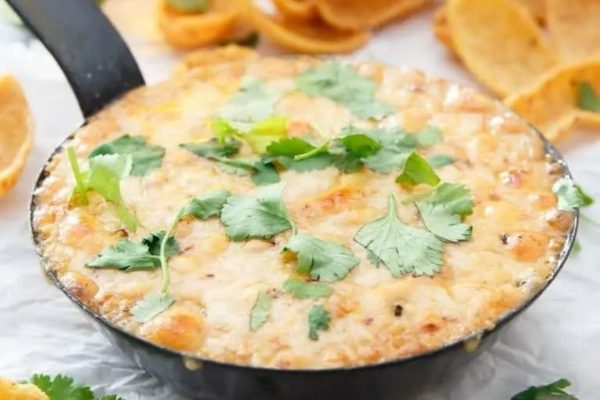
(16, 133)
(314, 37)
(218, 55)
(304, 10)
(537, 8)
(499, 42)
(574, 27)
(552, 103)
(15, 391)
(184, 30)
(361, 14)
(441, 30)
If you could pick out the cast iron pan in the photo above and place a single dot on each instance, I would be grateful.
(100, 68)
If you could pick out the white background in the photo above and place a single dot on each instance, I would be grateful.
(40, 331)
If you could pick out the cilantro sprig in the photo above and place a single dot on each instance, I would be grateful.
(129, 256)
(103, 177)
(401, 248)
(61, 387)
(553, 391)
(155, 303)
(417, 170)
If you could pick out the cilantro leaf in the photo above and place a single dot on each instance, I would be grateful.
(213, 148)
(260, 311)
(340, 83)
(570, 196)
(441, 212)
(261, 216)
(441, 160)
(588, 99)
(395, 147)
(428, 136)
(401, 248)
(153, 242)
(324, 260)
(262, 170)
(145, 157)
(62, 387)
(207, 206)
(417, 170)
(289, 147)
(360, 145)
(104, 177)
(128, 256)
(318, 320)
(303, 290)
(190, 6)
(587, 200)
(553, 391)
(254, 102)
(152, 305)
(268, 130)
(259, 135)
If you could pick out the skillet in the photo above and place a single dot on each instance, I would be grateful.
(100, 68)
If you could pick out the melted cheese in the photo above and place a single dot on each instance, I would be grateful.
(517, 231)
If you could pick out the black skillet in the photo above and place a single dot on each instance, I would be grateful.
(100, 68)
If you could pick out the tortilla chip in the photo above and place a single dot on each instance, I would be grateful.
(499, 42)
(574, 27)
(16, 134)
(551, 104)
(183, 30)
(360, 14)
(314, 37)
(441, 30)
(304, 10)
(537, 8)
(15, 391)
(218, 55)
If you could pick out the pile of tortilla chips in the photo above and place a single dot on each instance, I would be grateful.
(542, 56)
(306, 26)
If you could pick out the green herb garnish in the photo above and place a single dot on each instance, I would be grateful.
(260, 216)
(260, 311)
(570, 196)
(587, 98)
(145, 157)
(255, 101)
(128, 256)
(318, 320)
(62, 387)
(401, 248)
(441, 160)
(207, 206)
(323, 260)
(340, 83)
(428, 137)
(417, 170)
(304, 290)
(259, 135)
(553, 391)
(443, 210)
(104, 177)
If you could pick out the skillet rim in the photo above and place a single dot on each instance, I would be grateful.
(564, 254)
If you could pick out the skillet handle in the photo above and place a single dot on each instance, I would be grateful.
(96, 61)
